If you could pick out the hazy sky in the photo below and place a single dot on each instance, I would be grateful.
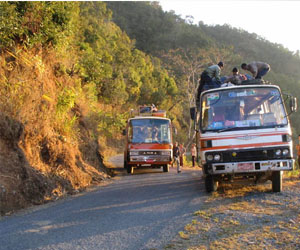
(276, 21)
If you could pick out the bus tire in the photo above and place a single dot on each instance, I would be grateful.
(277, 181)
(166, 168)
(211, 185)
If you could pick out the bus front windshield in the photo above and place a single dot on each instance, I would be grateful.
(149, 131)
(242, 108)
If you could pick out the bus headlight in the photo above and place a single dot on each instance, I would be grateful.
(278, 152)
(217, 157)
(209, 157)
(285, 152)
(134, 153)
(165, 152)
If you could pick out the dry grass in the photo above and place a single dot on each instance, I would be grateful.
(49, 155)
(245, 217)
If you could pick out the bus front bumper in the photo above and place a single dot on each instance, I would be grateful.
(153, 160)
(250, 167)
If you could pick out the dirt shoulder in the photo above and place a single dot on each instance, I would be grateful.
(245, 217)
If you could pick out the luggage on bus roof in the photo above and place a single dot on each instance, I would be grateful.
(252, 82)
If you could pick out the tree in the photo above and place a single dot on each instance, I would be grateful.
(186, 65)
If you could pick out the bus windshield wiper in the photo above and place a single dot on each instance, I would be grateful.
(228, 129)
(239, 128)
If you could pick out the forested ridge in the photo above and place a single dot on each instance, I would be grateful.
(191, 47)
(71, 71)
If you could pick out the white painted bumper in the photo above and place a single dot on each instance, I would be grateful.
(251, 167)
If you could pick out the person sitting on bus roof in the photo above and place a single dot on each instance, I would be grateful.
(145, 109)
(236, 77)
(258, 69)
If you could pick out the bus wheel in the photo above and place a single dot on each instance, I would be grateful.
(210, 184)
(166, 168)
(277, 181)
(129, 169)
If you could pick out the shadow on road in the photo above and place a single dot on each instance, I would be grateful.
(139, 211)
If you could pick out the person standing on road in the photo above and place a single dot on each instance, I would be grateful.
(258, 69)
(298, 150)
(176, 155)
(193, 153)
(181, 154)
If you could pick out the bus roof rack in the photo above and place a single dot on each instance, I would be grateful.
(252, 82)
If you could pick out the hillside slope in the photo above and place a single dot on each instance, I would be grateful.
(38, 162)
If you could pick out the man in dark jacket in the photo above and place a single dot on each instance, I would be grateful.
(210, 78)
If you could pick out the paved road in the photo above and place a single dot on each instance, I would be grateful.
(141, 211)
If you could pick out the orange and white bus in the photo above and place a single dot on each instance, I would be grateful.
(244, 132)
(148, 140)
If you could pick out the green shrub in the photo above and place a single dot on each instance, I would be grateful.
(31, 23)
(66, 101)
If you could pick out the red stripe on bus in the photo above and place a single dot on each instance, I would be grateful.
(240, 135)
(247, 146)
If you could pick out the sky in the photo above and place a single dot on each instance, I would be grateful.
(276, 21)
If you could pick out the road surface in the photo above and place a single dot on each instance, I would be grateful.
(140, 211)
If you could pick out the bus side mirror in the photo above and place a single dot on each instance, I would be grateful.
(293, 104)
(193, 113)
(124, 132)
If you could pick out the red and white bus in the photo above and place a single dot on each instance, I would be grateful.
(148, 140)
(244, 132)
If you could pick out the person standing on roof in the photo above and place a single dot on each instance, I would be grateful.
(153, 108)
(210, 78)
(258, 69)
